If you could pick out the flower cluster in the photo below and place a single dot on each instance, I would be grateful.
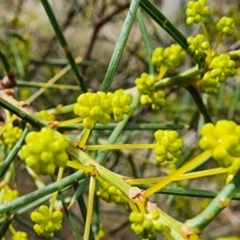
(198, 45)
(46, 223)
(226, 25)
(168, 145)
(223, 139)
(97, 107)
(121, 105)
(9, 194)
(155, 99)
(110, 193)
(145, 84)
(208, 84)
(44, 115)
(45, 149)
(19, 236)
(93, 107)
(169, 58)
(11, 135)
(165, 60)
(100, 234)
(196, 11)
(146, 226)
(220, 68)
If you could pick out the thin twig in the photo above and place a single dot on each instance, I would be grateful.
(100, 23)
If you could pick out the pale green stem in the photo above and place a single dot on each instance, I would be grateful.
(186, 176)
(205, 33)
(90, 208)
(234, 54)
(54, 197)
(35, 84)
(121, 146)
(221, 201)
(180, 79)
(171, 178)
(51, 81)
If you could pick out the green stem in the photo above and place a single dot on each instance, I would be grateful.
(17, 57)
(5, 62)
(128, 126)
(73, 225)
(82, 205)
(121, 146)
(64, 44)
(23, 83)
(85, 159)
(221, 201)
(113, 179)
(109, 176)
(21, 220)
(171, 227)
(157, 16)
(198, 100)
(50, 82)
(90, 208)
(188, 192)
(5, 226)
(22, 114)
(57, 62)
(61, 110)
(33, 205)
(30, 197)
(186, 176)
(78, 191)
(205, 32)
(234, 54)
(117, 131)
(146, 40)
(55, 195)
(235, 101)
(81, 186)
(13, 153)
(119, 47)
(185, 168)
(180, 79)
